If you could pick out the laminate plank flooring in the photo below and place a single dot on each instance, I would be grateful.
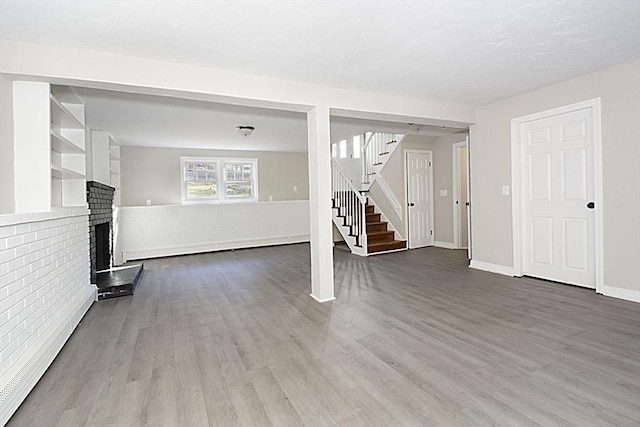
(414, 339)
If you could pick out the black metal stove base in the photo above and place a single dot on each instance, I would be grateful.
(119, 282)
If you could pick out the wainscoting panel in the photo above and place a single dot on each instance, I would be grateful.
(155, 231)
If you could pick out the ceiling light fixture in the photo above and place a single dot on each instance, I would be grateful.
(245, 130)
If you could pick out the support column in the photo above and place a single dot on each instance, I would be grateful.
(320, 204)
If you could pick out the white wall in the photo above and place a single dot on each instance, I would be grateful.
(157, 231)
(150, 173)
(44, 292)
(393, 174)
(443, 180)
(7, 197)
(490, 149)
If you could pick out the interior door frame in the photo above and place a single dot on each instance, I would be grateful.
(456, 184)
(517, 210)
(405, 154)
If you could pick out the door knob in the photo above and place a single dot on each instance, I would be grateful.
(591, 205)
(412, 204)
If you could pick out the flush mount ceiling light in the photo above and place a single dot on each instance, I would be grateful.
(245, 130)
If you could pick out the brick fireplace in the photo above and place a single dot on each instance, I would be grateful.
(100, 200)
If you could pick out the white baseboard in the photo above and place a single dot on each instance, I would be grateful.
(33, 365)
(626, 294)
(446, 245)
(493, 268)
(322, 300)
(133, 254)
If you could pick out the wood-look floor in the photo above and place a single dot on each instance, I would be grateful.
(414, 338)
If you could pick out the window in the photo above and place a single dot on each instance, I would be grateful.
(357, 146)
(342, 147)
(218, 180)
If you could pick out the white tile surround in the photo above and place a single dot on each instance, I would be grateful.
(155, 231)
(44, 292)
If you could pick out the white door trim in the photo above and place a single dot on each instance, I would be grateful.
(406, 193)
(516, 170)
(456, 173)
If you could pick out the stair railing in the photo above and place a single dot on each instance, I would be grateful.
(375, 147)
(350, 203)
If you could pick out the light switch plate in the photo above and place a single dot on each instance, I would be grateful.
(505, 190)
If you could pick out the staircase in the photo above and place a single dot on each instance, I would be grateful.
(379, 237)
(364, 230)
(377, 149)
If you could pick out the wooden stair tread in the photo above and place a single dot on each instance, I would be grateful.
(378, 233)
(386, 246)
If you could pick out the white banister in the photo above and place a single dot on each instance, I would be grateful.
(350, 205)
(377, 147)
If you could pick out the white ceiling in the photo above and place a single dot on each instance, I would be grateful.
(148, 120)
(158, 121)
(459, 51)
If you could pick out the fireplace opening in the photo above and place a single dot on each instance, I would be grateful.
(103, 250)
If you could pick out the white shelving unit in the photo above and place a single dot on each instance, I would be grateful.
(68, 167)
(105, 154)
(49, 150)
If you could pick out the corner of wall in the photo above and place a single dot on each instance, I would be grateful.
(7, 196)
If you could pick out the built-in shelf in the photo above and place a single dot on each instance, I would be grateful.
(62, 117)
(63, 173)
(63, 145)
(114, 152)
(68, 139)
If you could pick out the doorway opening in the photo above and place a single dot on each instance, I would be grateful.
(419, 218)
(557, 192)
(461, 205)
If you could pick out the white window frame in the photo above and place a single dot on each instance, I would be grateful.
(220, 179)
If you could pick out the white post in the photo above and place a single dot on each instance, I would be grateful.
(32, 146)
(320, 204)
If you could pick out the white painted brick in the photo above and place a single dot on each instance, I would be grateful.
(7, 279)
(44, 271)
(35, 226)
(22, 228)
(7, 231)
(14, 241)
(22, 250)
(28, 237)
(16, 263)
(4, 317)
(22, 272)
(7, 255)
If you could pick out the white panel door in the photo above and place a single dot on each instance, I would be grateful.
(557, 188)
(419, 200)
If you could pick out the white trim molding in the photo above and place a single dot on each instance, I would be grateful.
(492, 268)
(621, 293)
(516, 196)
(324, 300)
(195, 248)
(390, 195)
(455, 190)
